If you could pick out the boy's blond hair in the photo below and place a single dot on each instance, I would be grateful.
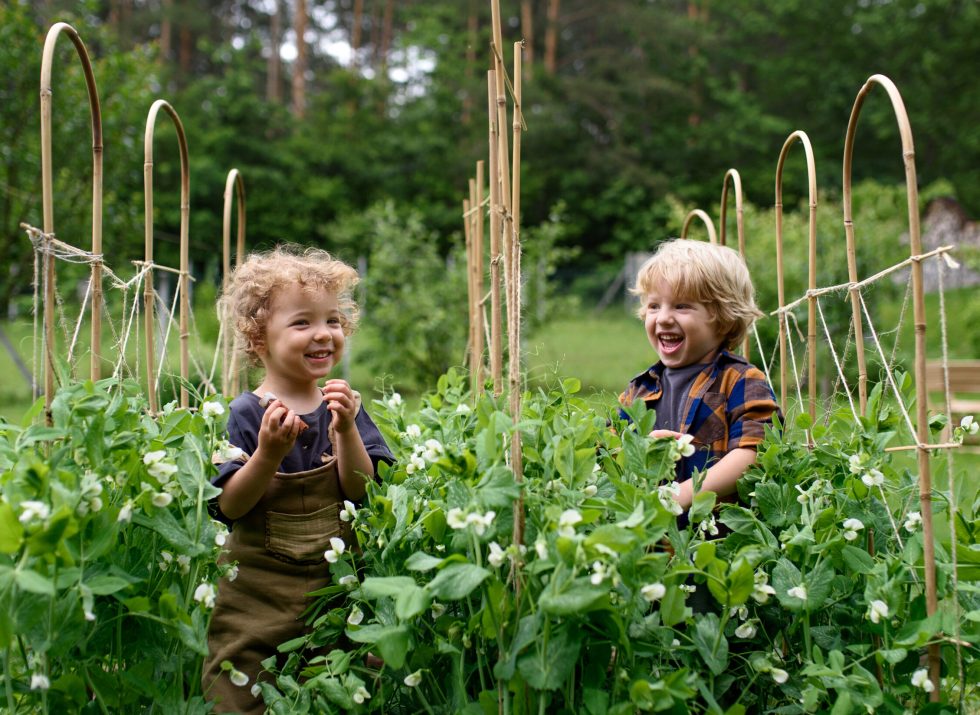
(706, 273)
(254, 284)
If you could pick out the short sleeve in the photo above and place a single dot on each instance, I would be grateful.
(751, 406)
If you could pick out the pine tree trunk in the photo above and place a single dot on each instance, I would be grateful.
(527, 29)
(472, 24)
(273, 83)
(299, 66)
(166, 30)
(386, 35)
(551, 37)
(186, 52)
(355, 31)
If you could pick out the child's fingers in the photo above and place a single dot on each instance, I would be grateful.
(665, 433)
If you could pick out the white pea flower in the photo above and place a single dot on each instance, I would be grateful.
(360, 695)
(166, 558)
(746, 630)
(590, 490)
(213, 408)
(348, 581)
(567, 521)
(463, 409)
(741, 611)
(415, 464)
(205, 594)
(456, 518)
(237, 677)
(797, 592)
(708, 526)
(969, 425)
(232, 573)
(804, 495)
(33, 510)
(413, 432)
(855, 463)
(437, 609)
(39, 681)
(779, 675)
(161, 499)
(920, 679)
(184, 562)
(653, 591)
(480, 522)
(675, 643)
(154, 457)
(541, 548)
(220, 538)
(433, 450)
(395, 400)
(553, 486)
(89, 616)
(226, 452)
(599, 573)
(255, 690)
(912, 521)
(349, 512)
(873, 478)
(413, 679)
(684, 445)
(688, 588)
(356, 616)
(877, 610)
(162, 471)
(851, 528)
(337, 548)
(497, 555)
(668, 494)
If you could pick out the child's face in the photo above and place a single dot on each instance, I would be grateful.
(681, 331)
(304, 337)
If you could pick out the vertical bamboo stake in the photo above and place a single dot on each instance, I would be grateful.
(47, 204)
(478, 273)
(473, 283)
(919, 311)
(705, 219)
(496, 348)
(811, 331)
(185, 192)
(514, 303)
(739, 226)
(468, 240)
(230, 379)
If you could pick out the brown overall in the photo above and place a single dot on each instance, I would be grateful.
(279, 548)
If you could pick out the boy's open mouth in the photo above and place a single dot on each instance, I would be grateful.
(321, 355)
(669, 342)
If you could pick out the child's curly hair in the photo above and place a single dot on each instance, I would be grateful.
(253, 285)
(707, 273)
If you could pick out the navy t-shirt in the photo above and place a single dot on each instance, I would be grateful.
(245, 418)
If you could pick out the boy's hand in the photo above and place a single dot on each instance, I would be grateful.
(666, 433)
(278, 431)
(342, 402)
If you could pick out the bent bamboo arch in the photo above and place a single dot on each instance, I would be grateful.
(184, 274)
(811, 330)
(47, 203)
(919, 313)
(736, 181)
(705, 219)
(234, 187)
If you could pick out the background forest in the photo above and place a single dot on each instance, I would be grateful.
(361, 137)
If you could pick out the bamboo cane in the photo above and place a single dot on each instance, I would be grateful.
(468, 240)
(514, 322)
(705, 219)
(503, 172)
(811, 332)
(234, 186)
(739, 225)
(47, 203)
(918, 299)
(185, 191)
(478, 273)
(496, 348)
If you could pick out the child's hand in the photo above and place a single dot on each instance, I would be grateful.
(279, 428)
(666, 433)
(342, 402)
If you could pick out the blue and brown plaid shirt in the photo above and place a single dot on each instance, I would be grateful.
(728, 406)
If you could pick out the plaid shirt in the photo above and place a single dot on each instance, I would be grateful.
(728, 406)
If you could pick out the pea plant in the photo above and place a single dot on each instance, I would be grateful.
(805, 598)
(107, 554)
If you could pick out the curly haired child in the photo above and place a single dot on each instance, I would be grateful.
(308, 449)
(697, 304)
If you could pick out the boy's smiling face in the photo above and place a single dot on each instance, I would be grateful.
(683, 332)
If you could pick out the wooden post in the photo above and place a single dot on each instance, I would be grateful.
(739, 226)
(234, 185)
(919, 311)
(811, 330)
(478, 272)
(184, 274)
(47, 204)
(496, 347)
